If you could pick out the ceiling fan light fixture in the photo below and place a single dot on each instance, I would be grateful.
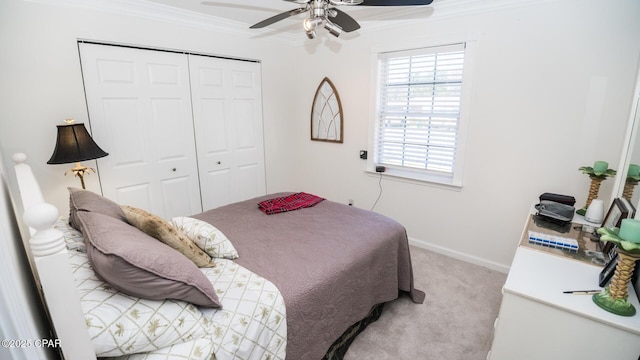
(310, 24)
(332, 28)
(311, 34)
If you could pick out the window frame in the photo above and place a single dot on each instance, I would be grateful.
(421, 176)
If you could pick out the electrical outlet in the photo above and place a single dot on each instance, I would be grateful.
(363, 154)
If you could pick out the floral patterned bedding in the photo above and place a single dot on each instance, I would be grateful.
(251, 325)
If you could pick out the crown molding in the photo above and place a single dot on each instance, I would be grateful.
(448, 9)
(455, 8)
(163, 13)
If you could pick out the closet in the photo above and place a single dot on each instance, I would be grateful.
(183, 131)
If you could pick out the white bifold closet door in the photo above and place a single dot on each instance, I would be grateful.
(227, 113)
(164, 157)
(140, 113)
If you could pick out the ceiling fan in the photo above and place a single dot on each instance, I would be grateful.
(324, 13)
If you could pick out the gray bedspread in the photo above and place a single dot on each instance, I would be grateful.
(331, 262)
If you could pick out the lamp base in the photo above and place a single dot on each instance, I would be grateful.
(620, 307)
(80, 171)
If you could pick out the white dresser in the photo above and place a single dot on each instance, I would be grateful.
(538, 322)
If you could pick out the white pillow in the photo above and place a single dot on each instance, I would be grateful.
(206, 236)
(72, 237)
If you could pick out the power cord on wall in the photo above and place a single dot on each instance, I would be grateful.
(379, 193)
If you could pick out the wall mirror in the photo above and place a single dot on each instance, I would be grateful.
(326, 114)
(627, 184)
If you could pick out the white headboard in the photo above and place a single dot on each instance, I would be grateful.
(20, 304)
(52, 264)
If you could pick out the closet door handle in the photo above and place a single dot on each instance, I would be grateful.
(219, 162)
(173, 169)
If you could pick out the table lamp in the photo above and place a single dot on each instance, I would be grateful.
(74, 144)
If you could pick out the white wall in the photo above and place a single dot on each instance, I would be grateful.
(42, 83)
(552, 88)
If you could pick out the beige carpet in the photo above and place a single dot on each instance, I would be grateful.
(454, 323)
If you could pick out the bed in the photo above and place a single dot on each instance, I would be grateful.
(294, 284)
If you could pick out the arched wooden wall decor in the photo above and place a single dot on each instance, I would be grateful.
(326, 114)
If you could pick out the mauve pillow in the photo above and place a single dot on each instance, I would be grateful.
(136, 264)
(85, 200)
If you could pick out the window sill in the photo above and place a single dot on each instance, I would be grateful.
(442, 182)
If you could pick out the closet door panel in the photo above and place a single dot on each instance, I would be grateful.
(215, 157)
(248, 138)
(124, 131)
(176, 200)
(227, 110)
(212, 134)
(247, 180)
(220, 188)
(139, 194)
(212, 124)
(245, 127)
(213, 142)
(140, 112)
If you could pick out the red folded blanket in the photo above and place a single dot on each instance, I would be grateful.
(289, 203)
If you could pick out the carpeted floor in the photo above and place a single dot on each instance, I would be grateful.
(454, 323)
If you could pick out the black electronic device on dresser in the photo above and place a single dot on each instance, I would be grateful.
(556, 208)
(562, 199)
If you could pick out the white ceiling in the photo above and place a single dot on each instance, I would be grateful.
(236, 16)
(240, 14)
(249, 12)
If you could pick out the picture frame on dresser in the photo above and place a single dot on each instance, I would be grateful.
(635, 280)
(631, 210)
(607, 272)
(609, 252)
(617, 211)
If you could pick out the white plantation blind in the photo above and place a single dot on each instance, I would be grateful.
(419, 108)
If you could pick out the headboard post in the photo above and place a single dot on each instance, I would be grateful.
(52, 264)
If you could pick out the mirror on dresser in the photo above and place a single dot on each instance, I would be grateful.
(627, 184)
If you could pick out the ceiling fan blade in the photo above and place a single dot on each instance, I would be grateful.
(277, 18)
(395, 2)
(344, 20)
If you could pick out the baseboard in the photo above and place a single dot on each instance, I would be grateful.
(459, 255)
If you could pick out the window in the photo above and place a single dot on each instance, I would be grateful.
(418, 131)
